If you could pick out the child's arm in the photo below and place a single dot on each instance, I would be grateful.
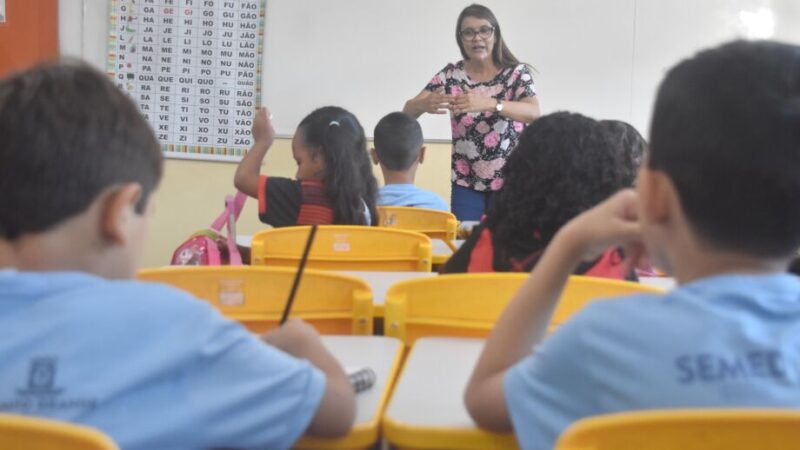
(524, 321)
(249, 170)
(336, 411)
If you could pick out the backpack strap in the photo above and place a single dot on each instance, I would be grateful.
(237, 204)
(232, 210)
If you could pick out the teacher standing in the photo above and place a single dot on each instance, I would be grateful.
(490, 97)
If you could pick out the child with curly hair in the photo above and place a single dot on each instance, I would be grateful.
(565, 163)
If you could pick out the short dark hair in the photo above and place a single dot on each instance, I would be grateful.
(564, 164)
(398, 140)
(726, 131)
(67, 134)
(631, 145)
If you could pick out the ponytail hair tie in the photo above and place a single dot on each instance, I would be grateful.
(333, 123)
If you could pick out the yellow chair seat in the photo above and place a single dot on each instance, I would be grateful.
(32, 433)
(686, 429)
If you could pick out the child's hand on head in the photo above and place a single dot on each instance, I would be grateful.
(612, 223)
(262, 127)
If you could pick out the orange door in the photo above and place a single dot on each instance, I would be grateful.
(29, 34)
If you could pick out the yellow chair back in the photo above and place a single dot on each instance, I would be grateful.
(32, 433)
(468, 305)
(695, 429)
(461, 305)
(341, 247)
(581, 290)
(433, 223)
(256, 296)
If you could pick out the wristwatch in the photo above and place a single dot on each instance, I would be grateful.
(499, 106)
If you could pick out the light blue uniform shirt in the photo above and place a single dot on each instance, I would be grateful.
(149, 365)
(723, 341)
(410, 195)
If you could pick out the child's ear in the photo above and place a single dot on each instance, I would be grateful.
(421, 157)
(656, 195)
(118, 210)
(374, 155)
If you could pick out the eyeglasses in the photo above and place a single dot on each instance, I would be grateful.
(470, 33)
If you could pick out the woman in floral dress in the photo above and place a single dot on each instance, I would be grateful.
(490, 97)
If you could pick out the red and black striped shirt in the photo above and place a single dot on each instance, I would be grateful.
(284, 202)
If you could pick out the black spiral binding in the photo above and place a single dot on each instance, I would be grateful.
(362, 379)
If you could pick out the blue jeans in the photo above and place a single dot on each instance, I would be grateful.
(468, 204)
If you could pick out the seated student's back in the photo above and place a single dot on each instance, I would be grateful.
(149, 365)
(399, 151)
(564, 164)
(334, 182)
(716, 204)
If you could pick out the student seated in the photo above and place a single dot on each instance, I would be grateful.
(334, 181)
(717, 204)
(564, 164)
(399, 150)
(147, 364)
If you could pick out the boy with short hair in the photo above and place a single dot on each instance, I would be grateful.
(147, 364)
(399, 150)
(717, 205)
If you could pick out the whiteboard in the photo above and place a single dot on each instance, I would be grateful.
(603, 58)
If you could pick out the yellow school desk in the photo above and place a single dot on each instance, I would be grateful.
(384, 356)
(427, 409)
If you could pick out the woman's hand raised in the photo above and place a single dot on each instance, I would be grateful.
(431, 102)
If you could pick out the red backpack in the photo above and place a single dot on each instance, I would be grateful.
(210, 248)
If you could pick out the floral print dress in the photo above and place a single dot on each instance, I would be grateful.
(483, 141)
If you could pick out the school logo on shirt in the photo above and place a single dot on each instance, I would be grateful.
(768, 364)
(42, 377)
(42, 394)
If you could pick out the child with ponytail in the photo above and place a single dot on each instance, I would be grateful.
(334, 182)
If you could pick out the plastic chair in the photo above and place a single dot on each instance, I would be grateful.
(340, 247)
(255, 296)
(684, 429)
(32, 433)
(431, 222)
(468, 305)
(581, 290)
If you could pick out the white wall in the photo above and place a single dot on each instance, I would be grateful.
(601, 58)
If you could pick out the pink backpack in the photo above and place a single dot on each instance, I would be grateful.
(208, 247)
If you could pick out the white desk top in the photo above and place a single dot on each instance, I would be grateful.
(376, 352)
(380, 282)
(665, 283)
(244, 240)
(383, 356)
(430, 390)
(439, 247)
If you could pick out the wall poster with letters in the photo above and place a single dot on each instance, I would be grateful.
(194, 69)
